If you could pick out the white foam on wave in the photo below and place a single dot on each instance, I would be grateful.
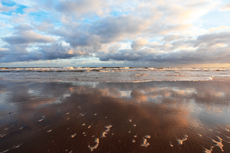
(116, 74)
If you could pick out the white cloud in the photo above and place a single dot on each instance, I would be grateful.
(6, 9)
(159, 31)
(219, 28)
(226, 7)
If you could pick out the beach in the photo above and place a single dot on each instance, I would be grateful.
(156, 116)
(114, 76)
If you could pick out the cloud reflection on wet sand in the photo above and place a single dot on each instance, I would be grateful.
(155, 117)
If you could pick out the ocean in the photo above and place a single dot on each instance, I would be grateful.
(121, 109)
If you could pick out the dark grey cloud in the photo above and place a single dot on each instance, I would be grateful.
(175, 57)
(112, 28)
(27, 37)
(79, 7)
(123, 55)
(44, 47)
(208, 48)
(105, 30)
(44, 52)
(213, 39)
(169, 38)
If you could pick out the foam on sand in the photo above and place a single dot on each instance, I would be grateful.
(170, 143)
(106, 131)
(73, 135)
(219, 143)
(40, 120)
(145, 143)
(49, 130)
(208, 150)
(94, 147)
(82, 114)
(181, 141)
(5, 151)
(18, 146)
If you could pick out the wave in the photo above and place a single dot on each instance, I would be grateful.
(114, 74)
(105, 69)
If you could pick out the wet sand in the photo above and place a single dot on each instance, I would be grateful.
(164, 117)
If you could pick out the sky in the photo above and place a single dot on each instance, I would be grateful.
(114, 33)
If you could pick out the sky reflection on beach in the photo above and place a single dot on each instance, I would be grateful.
(113, 117)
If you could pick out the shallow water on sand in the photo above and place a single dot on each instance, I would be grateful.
(115, 117)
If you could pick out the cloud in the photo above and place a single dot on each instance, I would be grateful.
(152, 31)
(138, 96)
(138, 44)
(103, 31)
(226, 7)
(80, 7)
(5, 8)
(27, 37)
(206, 48)
(213, 38)
(44, 52)
(219, 28)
